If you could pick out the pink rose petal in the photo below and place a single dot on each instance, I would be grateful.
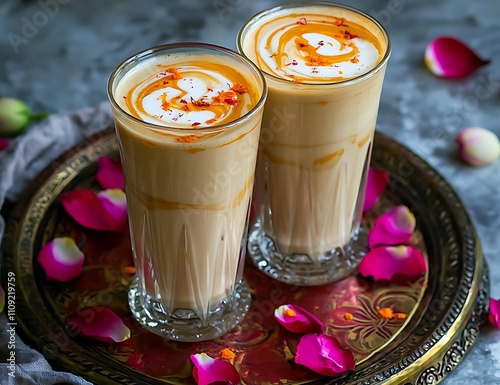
(450, 58)
(98, 323)
(494, 313)
(115, 203)
(393, 228)
(322, 353)
(109, 173)
(208, 370)
(297, 319)
(376, 184)
(388, 262)
(61, 259)
(2, 298)
(4, 143)
(89, 210)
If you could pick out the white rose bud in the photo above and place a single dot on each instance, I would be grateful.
(478, 146)
(15, 117)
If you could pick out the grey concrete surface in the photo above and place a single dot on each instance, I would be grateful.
(56, 55)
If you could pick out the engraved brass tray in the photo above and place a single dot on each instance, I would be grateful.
(444, 309)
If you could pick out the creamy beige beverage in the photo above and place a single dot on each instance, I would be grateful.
(188, 123)
(324, 65)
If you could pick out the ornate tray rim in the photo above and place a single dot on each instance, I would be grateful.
(438, 354)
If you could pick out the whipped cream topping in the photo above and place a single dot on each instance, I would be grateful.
(192, 95)
(315, 48)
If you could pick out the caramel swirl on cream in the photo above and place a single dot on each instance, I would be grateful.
(315, 48)
(193, 94)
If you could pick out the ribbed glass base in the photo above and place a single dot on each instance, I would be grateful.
(184, 324)
(302, 269)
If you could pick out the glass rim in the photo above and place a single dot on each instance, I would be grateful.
(327, 4)
(148, 52)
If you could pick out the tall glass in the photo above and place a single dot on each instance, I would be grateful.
(324, 64)
(188, 183)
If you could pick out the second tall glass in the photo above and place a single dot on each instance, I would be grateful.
(324, 65)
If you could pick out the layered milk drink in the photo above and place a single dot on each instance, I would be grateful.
(324, 65)
(188, 122)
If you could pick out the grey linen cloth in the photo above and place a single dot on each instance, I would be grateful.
(25, 158)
